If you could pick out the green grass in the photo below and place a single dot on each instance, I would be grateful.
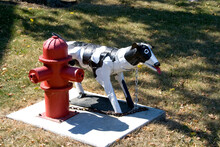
(186, 37)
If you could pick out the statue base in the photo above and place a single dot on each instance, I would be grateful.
(92, 128)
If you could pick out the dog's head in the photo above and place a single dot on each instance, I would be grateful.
(142, 53)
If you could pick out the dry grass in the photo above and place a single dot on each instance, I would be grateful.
(186, 38)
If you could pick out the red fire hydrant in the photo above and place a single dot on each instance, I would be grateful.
(55, 76)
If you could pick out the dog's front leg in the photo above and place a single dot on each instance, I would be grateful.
(120, 78)
(104, 79)
(80, 90)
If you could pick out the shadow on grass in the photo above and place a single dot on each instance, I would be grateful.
(209, 105)
(55, 4)
(211, 137)
(169, 79)
(181, 30)
(6, 24)
(184, 32)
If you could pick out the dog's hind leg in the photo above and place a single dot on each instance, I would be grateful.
(120, 78)
(104, 80)
(80, 90)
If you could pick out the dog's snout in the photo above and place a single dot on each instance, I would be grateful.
(157, 64)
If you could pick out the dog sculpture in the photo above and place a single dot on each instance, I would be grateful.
(105, 61)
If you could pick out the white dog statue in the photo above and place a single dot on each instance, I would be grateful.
(105, 61)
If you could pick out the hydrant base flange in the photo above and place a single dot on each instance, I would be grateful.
(59, 120)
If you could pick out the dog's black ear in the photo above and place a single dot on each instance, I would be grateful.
(134, 45)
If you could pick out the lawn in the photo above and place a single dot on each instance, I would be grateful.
(186, 40)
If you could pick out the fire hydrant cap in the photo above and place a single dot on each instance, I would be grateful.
(55, 48)
(55, 37)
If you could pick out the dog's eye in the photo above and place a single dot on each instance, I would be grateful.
(146, 51)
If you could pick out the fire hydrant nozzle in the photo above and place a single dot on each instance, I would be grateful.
(40, 74)
(55, 76)
(73, 74)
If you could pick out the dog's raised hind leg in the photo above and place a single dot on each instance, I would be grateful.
(104, 80)
(80, 90)
(120, 78)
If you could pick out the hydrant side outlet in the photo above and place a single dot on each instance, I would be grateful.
(40, 74)
(73, 74)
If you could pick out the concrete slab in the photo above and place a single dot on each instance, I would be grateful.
(88, 127)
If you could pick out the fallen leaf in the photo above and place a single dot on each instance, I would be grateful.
(193, 133)
(23, 86)
(10, 94)
(36, 88)
(140, 66)
(196, 121)
(4, 69)
(117, 140)
(212, 116)
(152, 144)
(172, 89)
(42, 145)
(3, 72)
